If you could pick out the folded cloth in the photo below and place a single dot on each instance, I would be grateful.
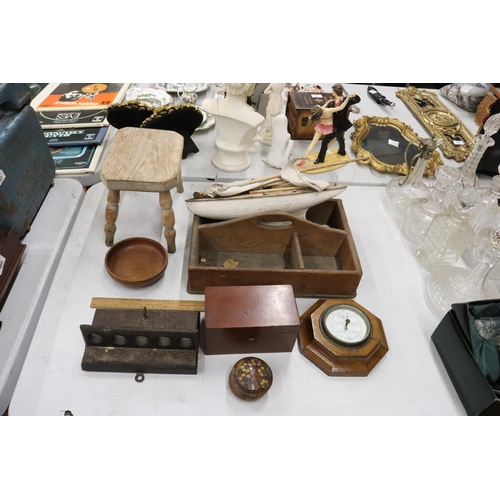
(289, 173)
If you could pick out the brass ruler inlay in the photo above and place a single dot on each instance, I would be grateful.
(154, 304)
(439, 121)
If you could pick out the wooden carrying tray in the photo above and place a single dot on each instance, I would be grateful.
(274, 248)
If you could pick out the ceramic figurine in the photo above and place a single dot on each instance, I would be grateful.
(281, 146)
(237, 124)
(341, 124)
(323, 117)
(273, 109)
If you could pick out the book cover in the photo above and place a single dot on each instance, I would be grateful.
(64, 137)
(76, 159)
(72, 118)
(79, 95)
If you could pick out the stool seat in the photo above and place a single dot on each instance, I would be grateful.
(143, 160)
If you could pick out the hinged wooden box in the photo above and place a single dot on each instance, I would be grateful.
(277, 248)
(297, 111)
(250, 319)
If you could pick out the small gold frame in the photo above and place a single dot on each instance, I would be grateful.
(362, 127)
(439, 121)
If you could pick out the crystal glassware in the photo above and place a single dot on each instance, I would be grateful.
(481, 143)
(453, 285)
(489, 329)
(449, 233)
(421, 212)
(487, 216)
(401, 192)
(489, 205)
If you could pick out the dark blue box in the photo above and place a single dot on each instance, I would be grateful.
(27, 169)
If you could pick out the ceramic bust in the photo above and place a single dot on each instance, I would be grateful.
(281, 146)
(273, 109)
(237, 125)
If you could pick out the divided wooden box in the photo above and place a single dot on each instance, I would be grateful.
(298, 109)
(249, 319)
(317, 257)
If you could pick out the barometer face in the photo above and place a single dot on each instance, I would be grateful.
(346, 325)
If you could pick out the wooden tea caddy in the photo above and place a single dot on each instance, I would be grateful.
(249, 319)
(319, 259)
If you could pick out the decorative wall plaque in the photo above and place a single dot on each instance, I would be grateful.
(439, 121)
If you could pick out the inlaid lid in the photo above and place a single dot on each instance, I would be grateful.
(250, 378)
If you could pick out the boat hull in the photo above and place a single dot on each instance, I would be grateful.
(241, 206)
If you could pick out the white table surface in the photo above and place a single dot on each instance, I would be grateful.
(409, 380)
(44, 246)
(198, 167)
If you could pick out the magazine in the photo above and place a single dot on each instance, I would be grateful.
(71, 96)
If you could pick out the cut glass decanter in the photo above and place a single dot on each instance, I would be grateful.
(481, 143)
(449, 233)
(421, 212)
(487, 216)
(454, 285)
(401, 192)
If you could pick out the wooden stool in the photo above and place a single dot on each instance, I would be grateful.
(143, 160)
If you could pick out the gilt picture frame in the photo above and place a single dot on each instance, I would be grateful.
(381, 143)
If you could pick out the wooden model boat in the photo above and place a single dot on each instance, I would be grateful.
(286, 192)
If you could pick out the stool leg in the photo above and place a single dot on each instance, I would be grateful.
(180, 185)
(111, 216)
(168, 220)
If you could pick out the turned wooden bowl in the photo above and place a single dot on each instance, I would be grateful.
(136, 262)
(250, 378)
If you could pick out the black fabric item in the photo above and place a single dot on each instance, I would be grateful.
(183, 119)
(128, 114)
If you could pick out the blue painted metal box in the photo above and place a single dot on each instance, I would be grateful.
(27, 169)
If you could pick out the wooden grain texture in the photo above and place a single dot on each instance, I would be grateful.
(336, 360)
(272, 233)
(298, 109)
(143, 160)
(250, 319)
(317, 260)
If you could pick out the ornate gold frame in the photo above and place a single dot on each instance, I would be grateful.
(439, 121)
(361, 128)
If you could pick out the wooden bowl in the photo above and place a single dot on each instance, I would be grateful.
(136, 262)
(250, 378)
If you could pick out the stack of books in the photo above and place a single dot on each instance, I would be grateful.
(73, 120)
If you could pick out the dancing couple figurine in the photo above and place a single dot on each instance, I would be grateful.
(332, 121)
